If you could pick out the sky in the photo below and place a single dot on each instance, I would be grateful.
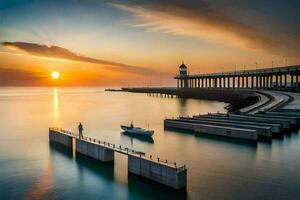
(141, 42)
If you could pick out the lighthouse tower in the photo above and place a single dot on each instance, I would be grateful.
(182, 78)
(182, 69)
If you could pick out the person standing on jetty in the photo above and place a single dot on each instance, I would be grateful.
(80, 129)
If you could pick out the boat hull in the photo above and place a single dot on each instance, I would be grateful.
(137, 131)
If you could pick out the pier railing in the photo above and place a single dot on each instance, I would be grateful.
(123, 150)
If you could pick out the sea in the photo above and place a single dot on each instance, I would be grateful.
(217, 167)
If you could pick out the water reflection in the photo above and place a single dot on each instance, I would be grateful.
(153, 190)
(212, 138)
(182, 106)
(55, 104)
(235, 169)
(43, 185)
(127, 136)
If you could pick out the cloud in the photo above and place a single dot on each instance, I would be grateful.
(63, 53)
(19, 77)
(205, 21)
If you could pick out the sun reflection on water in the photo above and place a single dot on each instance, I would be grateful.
(55, 104)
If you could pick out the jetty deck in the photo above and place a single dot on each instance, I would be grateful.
(162, 171)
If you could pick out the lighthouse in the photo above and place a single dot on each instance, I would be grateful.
(182, 69)
(182, 81)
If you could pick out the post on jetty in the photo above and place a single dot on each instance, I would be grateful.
(167, 173)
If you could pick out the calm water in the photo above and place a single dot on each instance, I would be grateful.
(217, 168)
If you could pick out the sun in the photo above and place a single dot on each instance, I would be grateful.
(55, 75)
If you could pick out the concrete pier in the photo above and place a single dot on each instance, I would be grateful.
(55, 136)
(239, 133)
(285, 123)
(245, 126)
(164, 174)
(169, 173)
(95, 151)
(264, 131)
(291, 119)
(275, 128)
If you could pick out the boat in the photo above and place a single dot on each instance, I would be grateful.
(136, 130)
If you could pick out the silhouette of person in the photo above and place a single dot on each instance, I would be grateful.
(131, 125)
(80, 129)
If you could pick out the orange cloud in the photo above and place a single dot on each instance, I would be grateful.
(20, 77)
(63, 53)
(203, 22)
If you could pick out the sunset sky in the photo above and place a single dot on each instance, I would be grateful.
(116, 43)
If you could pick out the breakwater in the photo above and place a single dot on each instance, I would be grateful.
(237, 98)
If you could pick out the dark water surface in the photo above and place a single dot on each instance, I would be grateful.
(218, 168)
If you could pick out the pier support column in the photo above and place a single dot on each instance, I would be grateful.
(280, 80)
(292, 81)
(215, 83)
(285, 80)
(297, 81)
(228, 82)
(233, 82)
(271, 81)
(260, 82)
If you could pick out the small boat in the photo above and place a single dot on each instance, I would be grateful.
(136, 130)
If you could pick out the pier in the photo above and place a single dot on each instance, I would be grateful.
(262, 102)
(237, 98)
(241, 126)
(274, 78)
(141, 164)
